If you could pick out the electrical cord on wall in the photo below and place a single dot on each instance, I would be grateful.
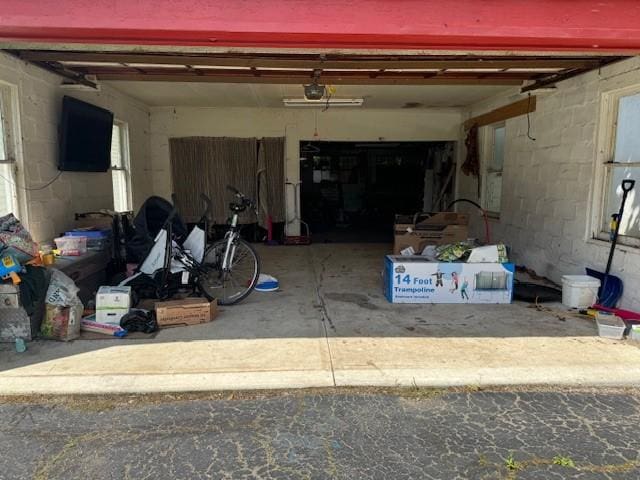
(328, 104)
(529, 120)
(32, 189)
(315, 132)
(330, 91)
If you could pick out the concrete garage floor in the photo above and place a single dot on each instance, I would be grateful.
(330, 325)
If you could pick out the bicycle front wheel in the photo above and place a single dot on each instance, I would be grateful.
(237, 282)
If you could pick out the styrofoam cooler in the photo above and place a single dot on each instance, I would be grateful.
(579, 291)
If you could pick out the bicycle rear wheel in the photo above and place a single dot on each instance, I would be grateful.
(235, 284)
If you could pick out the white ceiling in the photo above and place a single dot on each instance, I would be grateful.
(159, 94)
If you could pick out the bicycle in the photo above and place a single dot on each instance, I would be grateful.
(226, 270)
(231, 266)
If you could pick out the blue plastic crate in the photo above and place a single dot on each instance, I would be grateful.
(93, 233)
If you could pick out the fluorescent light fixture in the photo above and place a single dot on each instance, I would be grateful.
(332, 102)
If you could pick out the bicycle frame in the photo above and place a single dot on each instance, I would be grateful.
(233, 234)
(230, 250)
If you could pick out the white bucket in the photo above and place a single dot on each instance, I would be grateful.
(579, 291)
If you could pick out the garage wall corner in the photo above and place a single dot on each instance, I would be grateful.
(49, 211)
(547, 183)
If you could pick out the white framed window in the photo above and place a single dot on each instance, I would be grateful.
(492, 163)
(8, 153)
(120, 167)
(618, 159)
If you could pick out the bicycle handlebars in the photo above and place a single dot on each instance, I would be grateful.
(244, 201)
(241, 206)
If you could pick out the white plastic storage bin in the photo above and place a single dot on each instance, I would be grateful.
(579, 291)
(610, 326)
(71, 246)
(634, 333)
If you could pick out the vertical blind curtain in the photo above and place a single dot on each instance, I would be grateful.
(233, 163)
(189, 166)
(271, 180)
(208, 164)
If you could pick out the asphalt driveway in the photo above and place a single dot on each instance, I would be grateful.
(342, 434)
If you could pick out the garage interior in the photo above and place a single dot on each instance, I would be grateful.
(349, 189)
(389, 135)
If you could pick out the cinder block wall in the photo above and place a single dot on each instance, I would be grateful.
(51, 210)
(548, 183)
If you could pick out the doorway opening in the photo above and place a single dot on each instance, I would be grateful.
(351, 191)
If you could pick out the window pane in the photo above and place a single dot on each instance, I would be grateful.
(494, 192)
(6, 191)
(120, 178)
(630, 224)
(7, 203)
(493, 170)
(116, 147)
(3, 149)
(627, 148)
(120, 197)
(498, 149)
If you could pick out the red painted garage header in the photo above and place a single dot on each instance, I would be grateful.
(535, 25)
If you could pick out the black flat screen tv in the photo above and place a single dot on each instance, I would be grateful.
(85, 137)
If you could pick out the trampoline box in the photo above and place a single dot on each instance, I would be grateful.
(412, 279)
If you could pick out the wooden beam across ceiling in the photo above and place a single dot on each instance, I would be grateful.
(297, 79)
(515, 109)
(304, 75)
(313, 63)
(338, 69)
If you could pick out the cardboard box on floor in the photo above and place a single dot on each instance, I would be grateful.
(188, 311)
(417, 280)
(424, 229)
